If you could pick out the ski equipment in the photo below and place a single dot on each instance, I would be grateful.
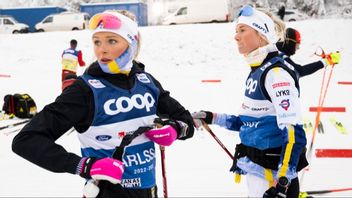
(205, 125)
(323, 90)
(320, 192)
(338, 125)
(14, 124)
(21, 105)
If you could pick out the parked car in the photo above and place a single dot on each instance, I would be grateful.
(64, 21)
(9, 25)
(199, 12)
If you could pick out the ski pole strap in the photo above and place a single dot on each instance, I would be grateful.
(118, 153)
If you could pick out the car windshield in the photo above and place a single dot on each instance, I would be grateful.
(13, 19)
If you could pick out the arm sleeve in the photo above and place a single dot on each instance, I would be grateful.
(36, 141)
(284, 95)
(80, 59)
(307, 69)
(171, 108)
(311, 68)
(230, 122)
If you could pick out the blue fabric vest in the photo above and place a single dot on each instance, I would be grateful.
(259, 129)
(117, 113)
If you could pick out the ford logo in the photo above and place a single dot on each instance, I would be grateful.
(103, 137)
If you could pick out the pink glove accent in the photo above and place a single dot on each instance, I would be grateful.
(164, 136)
(107, 169)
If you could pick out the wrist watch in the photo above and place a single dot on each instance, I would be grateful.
(284, 182)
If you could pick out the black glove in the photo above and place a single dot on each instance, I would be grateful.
(85, 166)
(199, 116)
(181, 127)
(279, 191)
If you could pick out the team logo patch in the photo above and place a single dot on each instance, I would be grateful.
(285, 104)
(103, 138)
(96, 83)
(143, 78)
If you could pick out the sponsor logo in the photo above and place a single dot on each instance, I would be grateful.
(96, 83)
(283, 93)
(161, 135)
(125, 104)
(251, 85)
(259, 108)
(287, 115)
(122, 134)
(130, 183)
(103, 138)
(251, 124)
(265, 30)
(281, 84)
(244, 106)
(285, 104)
(266, 65)
(143, 78)
(139, 158)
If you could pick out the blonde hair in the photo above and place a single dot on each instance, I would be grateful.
(279, 25)
(134, 18)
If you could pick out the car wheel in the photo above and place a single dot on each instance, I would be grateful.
(15, 32)
(40, 30)
(291, 20)
(75, 28)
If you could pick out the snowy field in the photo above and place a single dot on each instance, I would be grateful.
(180, 57)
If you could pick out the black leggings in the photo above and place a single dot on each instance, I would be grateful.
(108, 190)
(293, 189)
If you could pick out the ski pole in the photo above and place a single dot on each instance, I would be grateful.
(14, 124)
(163, 170)
(205, 125)
(319, 192)
(322, 95)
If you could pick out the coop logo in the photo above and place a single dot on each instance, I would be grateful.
(125, 104)
(251, 85)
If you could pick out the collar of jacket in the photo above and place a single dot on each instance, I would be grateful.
(268, 57)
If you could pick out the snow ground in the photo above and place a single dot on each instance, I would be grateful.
(180, 57)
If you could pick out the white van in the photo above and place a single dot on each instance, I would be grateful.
(9, 25)
(64, 21)
(199, 11)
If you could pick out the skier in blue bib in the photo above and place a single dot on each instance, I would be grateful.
(272, 148)
(112, 100)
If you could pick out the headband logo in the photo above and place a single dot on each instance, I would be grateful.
(265, 30)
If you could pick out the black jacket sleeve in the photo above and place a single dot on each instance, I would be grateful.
(36, 141)
(168, 107)
(306, 69)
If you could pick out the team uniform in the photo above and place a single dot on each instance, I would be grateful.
(270, 125)
(103, 108)
(71, 58)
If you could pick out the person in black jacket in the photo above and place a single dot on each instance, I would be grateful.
(289, 48)
(114, 98)
(281, 12)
